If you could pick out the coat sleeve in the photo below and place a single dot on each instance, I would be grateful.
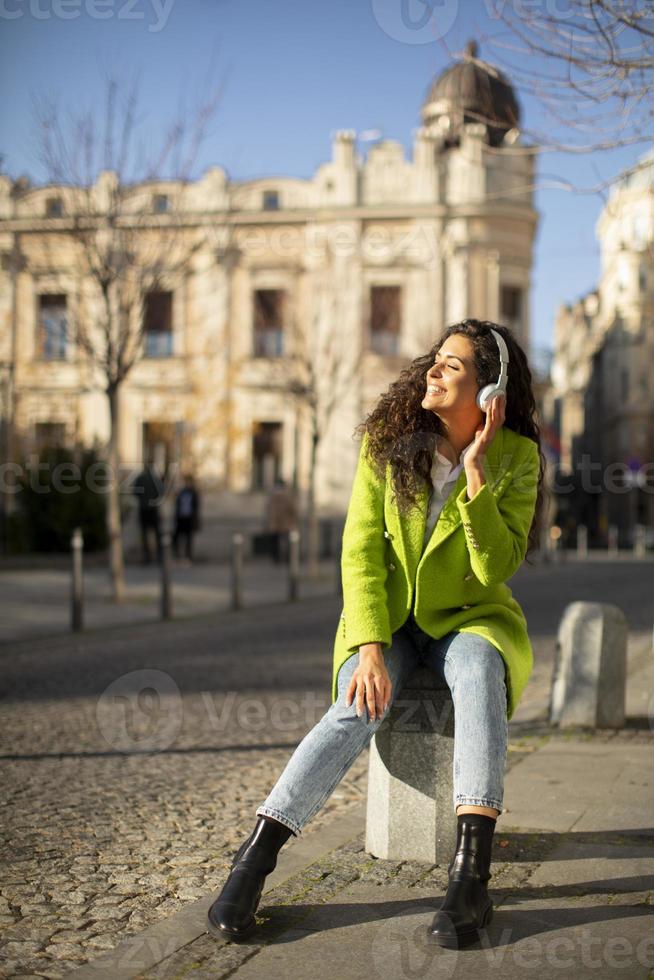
(496, 531)
(363, 568)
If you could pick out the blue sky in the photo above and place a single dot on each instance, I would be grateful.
(292, 72)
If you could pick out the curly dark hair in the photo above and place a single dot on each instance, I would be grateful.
(401, 432)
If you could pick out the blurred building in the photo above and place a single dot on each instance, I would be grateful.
(603, 399)
(301, 301)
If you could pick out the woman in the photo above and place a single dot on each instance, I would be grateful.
(446, 504)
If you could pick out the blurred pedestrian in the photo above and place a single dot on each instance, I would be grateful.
(148, 487)
(281, 517)
(187, 516)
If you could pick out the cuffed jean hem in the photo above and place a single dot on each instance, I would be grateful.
(270, 811)
(477, 801)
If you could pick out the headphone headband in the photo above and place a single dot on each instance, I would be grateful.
(504, 358)
(486, 394)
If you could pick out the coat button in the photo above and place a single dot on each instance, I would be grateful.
(466, 578)
(392, 566)
(467, 606)
(387, 534)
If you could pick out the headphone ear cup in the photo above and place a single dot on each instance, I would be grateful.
(484, 396)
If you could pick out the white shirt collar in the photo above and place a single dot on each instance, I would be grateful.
(442, 469)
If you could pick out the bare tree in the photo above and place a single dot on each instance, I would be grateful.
(322, 368)
(123, 248)
(326, 362)
(590, 66)
(592, 72)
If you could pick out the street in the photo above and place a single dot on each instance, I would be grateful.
(134, 757)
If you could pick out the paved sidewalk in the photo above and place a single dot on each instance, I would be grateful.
(573, 881)
(36, 601)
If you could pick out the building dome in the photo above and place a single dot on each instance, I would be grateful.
(471, 90)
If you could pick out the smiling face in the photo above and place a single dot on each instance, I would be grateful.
(451, 381)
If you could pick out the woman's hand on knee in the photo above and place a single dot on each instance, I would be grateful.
(370, 683)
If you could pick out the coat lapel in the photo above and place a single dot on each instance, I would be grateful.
(408, 531)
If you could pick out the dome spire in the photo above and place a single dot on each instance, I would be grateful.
(471, 91)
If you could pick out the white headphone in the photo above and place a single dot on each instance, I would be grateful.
(486, 394)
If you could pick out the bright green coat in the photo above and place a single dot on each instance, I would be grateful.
(459, 581)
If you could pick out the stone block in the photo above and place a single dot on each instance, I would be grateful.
(410, 809)
(589, 678)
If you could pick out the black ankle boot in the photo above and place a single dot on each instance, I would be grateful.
(467, 907)
(232, 914)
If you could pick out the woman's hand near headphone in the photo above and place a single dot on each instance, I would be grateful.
(370, 682)
(484, 435)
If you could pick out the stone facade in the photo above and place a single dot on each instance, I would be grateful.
(357, 268)
(602, 369)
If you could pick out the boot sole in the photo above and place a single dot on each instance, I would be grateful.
(462, 938)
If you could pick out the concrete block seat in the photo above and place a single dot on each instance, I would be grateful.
(410, 809)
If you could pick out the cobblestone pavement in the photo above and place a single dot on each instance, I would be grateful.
(103, 837)
(135, 839)
(118, 810)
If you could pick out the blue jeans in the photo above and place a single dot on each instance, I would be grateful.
(474, 671)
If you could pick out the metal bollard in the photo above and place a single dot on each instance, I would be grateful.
(77, 583)
(237, 570)
(556, 541)
(544, 545)
(166, 599)
(582, 541)
(639, 541)
(613, 540)
(293, 564)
